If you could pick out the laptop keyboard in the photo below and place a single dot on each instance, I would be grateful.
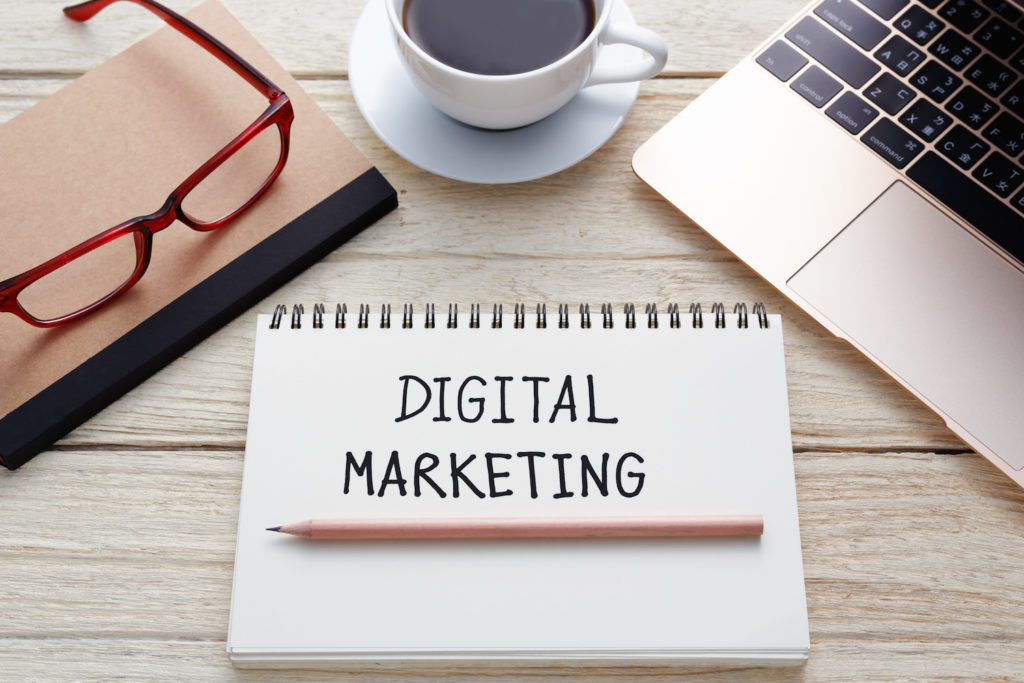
(934, 87)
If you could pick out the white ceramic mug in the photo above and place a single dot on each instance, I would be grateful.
(501, 102)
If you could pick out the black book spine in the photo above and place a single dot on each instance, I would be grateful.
(201, 311)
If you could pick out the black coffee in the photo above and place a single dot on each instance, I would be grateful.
(498, 37)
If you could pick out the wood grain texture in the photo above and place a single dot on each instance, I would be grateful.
(555, 240)
(912, 545)
(911, 562)
(310, 38)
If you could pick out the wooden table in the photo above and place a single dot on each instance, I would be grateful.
(913, 546)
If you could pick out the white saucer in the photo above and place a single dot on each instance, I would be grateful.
(416, 131)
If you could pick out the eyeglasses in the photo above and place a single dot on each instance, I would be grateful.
(97, 271)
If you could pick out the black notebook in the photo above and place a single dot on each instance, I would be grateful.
(111, 145)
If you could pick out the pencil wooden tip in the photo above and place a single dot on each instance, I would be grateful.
(273, 528)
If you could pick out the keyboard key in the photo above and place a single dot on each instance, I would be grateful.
(781, 60)
(926, 120)
(889, 93)
(997, 36)
(1007, 133)
(892, 143)
(966, 15)
(919, 25)
(852, 113)
(990, 75)
(1018, 203)
(1017, 62)
(853, 22)
(1003, 8)
(899, 55)
(834, 53)
(971, 107)
(962, 147)
(886, 9)
(816, 86)
(936, 81)
(1014, 99)
(954, 50)
(971, 201)
(999, 174)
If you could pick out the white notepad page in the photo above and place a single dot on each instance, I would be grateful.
(702, 427)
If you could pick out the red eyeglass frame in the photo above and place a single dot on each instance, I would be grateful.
(278, 113)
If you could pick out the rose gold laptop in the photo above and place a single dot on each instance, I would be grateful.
(866, 160)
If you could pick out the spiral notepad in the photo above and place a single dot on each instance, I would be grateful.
(517, 412)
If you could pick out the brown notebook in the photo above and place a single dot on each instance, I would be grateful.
(111, 146)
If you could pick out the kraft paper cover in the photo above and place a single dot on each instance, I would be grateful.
(111, 146)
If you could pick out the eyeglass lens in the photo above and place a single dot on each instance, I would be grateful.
(83, 281)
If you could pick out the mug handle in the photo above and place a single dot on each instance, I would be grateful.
(651, 65)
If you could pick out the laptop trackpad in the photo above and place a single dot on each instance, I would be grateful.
(936, 306)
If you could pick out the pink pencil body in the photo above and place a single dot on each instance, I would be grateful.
(525, 527)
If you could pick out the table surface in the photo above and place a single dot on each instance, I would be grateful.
(913, 549)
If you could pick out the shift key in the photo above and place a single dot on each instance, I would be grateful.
(834, 53)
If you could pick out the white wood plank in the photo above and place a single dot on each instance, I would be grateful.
(912, 557)
(592, 233)
(158, 661)
(911, 562)
(310, 38)
(836, 397)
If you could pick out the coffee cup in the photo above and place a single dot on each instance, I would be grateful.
(510, 100)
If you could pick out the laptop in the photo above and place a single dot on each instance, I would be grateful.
(866, 160)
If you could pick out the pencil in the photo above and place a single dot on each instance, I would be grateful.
(524, 527)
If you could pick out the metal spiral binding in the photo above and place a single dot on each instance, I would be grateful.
(762, 315)
(718, 309)
(741, 315)
(519, 321)
(275, 320)
(652, 315)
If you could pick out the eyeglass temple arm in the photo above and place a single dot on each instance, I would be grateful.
(87, 10)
